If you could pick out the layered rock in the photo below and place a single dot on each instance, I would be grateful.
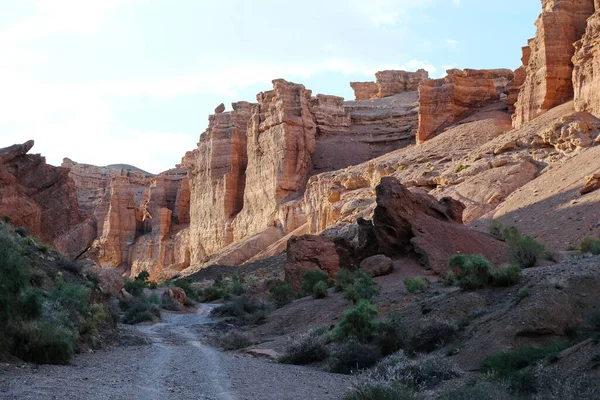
(138, 217)
(586, 71)
(389, 83)
(443, 102)
(42, 198)
(365, 90)
(310, 253)
(549, 68)
(514, 88)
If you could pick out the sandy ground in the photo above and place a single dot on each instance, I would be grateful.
(176, 364)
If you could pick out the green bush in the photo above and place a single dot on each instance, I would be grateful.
(497, 229)
(186, 285)
(311, 278)
(507, 276)
(476, 390)
(281, 294)
(591, 245)
(414, 285)
(44, 344)
(449, 279)
(319, 291)
(475, 271)
(243, 310)
(306, 349)
(70, 296)
(358, 322)
(352, 355)
(31, 304)
(143, 309)
(135, 287)
(212, 293)
(343, 279)
(524, 251)
(505, 364)
(238, 289)
(362, 288)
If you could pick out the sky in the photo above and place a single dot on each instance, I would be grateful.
(133, 81)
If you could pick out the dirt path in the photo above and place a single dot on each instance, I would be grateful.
(175, 365)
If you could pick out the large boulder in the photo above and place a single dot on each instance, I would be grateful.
(310, 253)
(378, 265)
(406, 221)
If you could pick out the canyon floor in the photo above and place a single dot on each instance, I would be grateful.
(169, 360)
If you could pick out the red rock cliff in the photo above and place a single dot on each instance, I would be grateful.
(586, 72)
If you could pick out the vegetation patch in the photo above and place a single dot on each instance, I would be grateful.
(281, 294)
(416, 285)
(477, 272)
(243, 310)
(307, 348)
(590, 245)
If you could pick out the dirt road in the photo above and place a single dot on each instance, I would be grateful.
(174, 365)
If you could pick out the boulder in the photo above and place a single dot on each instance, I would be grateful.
(378, 265)
(409, 222)
(592, 184)
(110, 281)
(175, 298)
(310, 253)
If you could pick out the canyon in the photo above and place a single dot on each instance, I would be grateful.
(293, 163)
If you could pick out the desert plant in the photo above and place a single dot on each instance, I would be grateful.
(476, 390)
(381, 390)
(281, 294)
(343, 279)
(496, 229)
(311, 278)
(143, 309)
(433, 334)
(392, 335)
(459, 168)
(143, 276)
(449, 279)
(211, 293)
(234, 341)
(507, 276)
(352, 355)
(243, 310)
(524, 250)
(186, 285)
(362, 288)
(414, 285)
(590, 245)
(476, 271)
(306, 348)
(134, 287)
(506, 363)
(358, 322)
(238, 289)
(319, 291)
(44, 343)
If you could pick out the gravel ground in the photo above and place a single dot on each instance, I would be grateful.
(174, 365)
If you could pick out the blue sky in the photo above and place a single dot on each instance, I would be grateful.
(133, 81)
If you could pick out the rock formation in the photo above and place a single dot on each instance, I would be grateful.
(139, 218)
(405, 221)
(389, 83)
(310, 253)
(586, 72)
(41, 198)
(549, 67)
(443, 102)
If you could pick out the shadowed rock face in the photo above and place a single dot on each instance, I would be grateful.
(41, 198)
(443, 102)
(405, 221)
(310, 253)
(549, 68)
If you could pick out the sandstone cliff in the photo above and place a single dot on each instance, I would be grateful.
(549, 67)
(389, 83)
(586, 72)
(443, 102)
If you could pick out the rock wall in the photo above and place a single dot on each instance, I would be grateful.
(586, 72)
(42, 198)
(549, 68)
(442, 102)
(389, 83)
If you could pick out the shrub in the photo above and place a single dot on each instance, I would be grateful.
(476, 271)
(358, 322)
(243, 310)
(343, 279)
(186, 285)
(70, 296)
(497, 229)
(281, 294)
(381, 390)
(211, 293)
(311, 278)
(306, 349)
(319, 291)
(142, 276)
(433, 334)
(524, 251)
(143, 309)
(44, 344)
(591, 245)
(392, 335)
(31, 304)
(238, 289)
(459, 168)
(363, 288)
(507, 276)
(477, 390)
(414, 285)
(134, 287)
(504, 364)
(449, 279)
(352, 355)
(234, 341)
